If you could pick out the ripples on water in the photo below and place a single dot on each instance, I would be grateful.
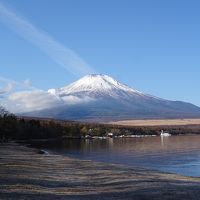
(179, 154)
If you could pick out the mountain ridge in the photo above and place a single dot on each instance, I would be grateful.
(99, 96)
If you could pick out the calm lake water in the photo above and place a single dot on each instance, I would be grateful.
(179, 154)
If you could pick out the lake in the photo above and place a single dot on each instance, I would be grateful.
(179, 154)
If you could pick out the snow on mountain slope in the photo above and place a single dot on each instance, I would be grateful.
(96, 86)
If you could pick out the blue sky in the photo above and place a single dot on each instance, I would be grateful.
(153, 46)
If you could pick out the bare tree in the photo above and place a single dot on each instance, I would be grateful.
(3, 111)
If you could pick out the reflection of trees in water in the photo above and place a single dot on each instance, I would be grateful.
(144, 151)
(136, 145)
(164, 153)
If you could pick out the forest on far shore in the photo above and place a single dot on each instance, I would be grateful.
(16, 128)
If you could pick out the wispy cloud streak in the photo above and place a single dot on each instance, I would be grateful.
(10, 84)
(63, 56)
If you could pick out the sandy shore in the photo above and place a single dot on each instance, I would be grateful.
(157, 122)
(26, 174)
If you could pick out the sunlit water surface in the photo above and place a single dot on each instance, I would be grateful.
(179, 154)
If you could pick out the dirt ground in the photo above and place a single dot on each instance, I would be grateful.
(26, 174)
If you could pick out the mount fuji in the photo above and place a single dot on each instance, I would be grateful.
(100, 97)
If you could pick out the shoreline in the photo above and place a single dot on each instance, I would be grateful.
(24, 173)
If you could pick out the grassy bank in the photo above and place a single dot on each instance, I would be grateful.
(26, 174)
(158, 122)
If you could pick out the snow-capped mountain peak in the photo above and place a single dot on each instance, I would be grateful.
(95, 85)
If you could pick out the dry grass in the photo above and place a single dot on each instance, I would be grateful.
(158, 122)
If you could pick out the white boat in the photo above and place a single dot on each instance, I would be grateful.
(88, 137)
(110, 135)
(165, 134)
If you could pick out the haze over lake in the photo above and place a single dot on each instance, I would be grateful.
(177, 154)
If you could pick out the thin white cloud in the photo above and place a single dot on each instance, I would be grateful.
(63, 56)
(26, 101)
(10, 84)
(18, 97)
(27, 82)
(6, 80)
(6, 88)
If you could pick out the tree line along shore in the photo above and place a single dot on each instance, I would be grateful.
(15, 128)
